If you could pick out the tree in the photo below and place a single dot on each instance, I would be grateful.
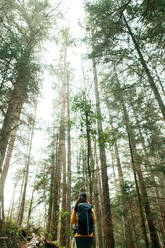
(109, 239)
(19, 70)
(21, 211)
(106, 41)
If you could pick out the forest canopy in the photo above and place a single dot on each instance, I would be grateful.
(82, 109)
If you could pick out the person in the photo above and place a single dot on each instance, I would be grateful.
(83, 236)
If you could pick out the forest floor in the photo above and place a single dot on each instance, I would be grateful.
(19, 237)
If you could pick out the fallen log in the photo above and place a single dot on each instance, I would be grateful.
(49, 244)
(24, 246)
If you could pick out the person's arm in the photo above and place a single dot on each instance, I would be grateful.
(73, 217)
(93, 216)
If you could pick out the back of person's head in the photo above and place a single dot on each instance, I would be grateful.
(83, 197)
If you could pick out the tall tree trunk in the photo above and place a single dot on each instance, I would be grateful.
(124, 195)
(100, 193)
(12, 118)
(92, 173)
(32, 197)
(160, 82)
(87, 126)
(10, 123)
(50, 207)
(151, 174)
(138, 195)
(114, 173)
(137, 169)
(97, 204)
(8, 155)
(89, 151)
(63, 212)
(136, 166)
(147, 71)
(21, 192)
(63, 151)
(2, 213)
(10, 211)
(59, 166)
(27, 170)
(68, 164)
(110, 243)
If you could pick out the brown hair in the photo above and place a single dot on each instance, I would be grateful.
(82, 198)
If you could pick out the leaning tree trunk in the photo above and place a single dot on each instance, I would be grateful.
(10, 123)
(136, 166)
(109, 238)
(10, 211)
(151, 174)
(147, 71)
(21, 214)
(21, 192)
(127, 221)
(8, 155)
(12, 117)
(160, 82)
(32, 196)
(137, 170)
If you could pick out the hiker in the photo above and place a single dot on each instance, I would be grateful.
(83, 216)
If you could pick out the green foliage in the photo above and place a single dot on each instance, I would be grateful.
(106, 25)
(103, 139)
(13, 235)
(127, 187)
(64, 215)
(58, 244)
(86, 113)
(23, 26)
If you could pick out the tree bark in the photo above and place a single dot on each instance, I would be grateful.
(109, 238)
(50, 207)
(10, 123)
(10, 211)
(12, 118)
(27, 169)
(64, 209)
(127, 221)
(69, 173)
(114, 174)
(32, 197)
(63, 149)
(137, 169)
(59, 166)
(21, 193)
(8, 155)
(97, 204)
(151, 174)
